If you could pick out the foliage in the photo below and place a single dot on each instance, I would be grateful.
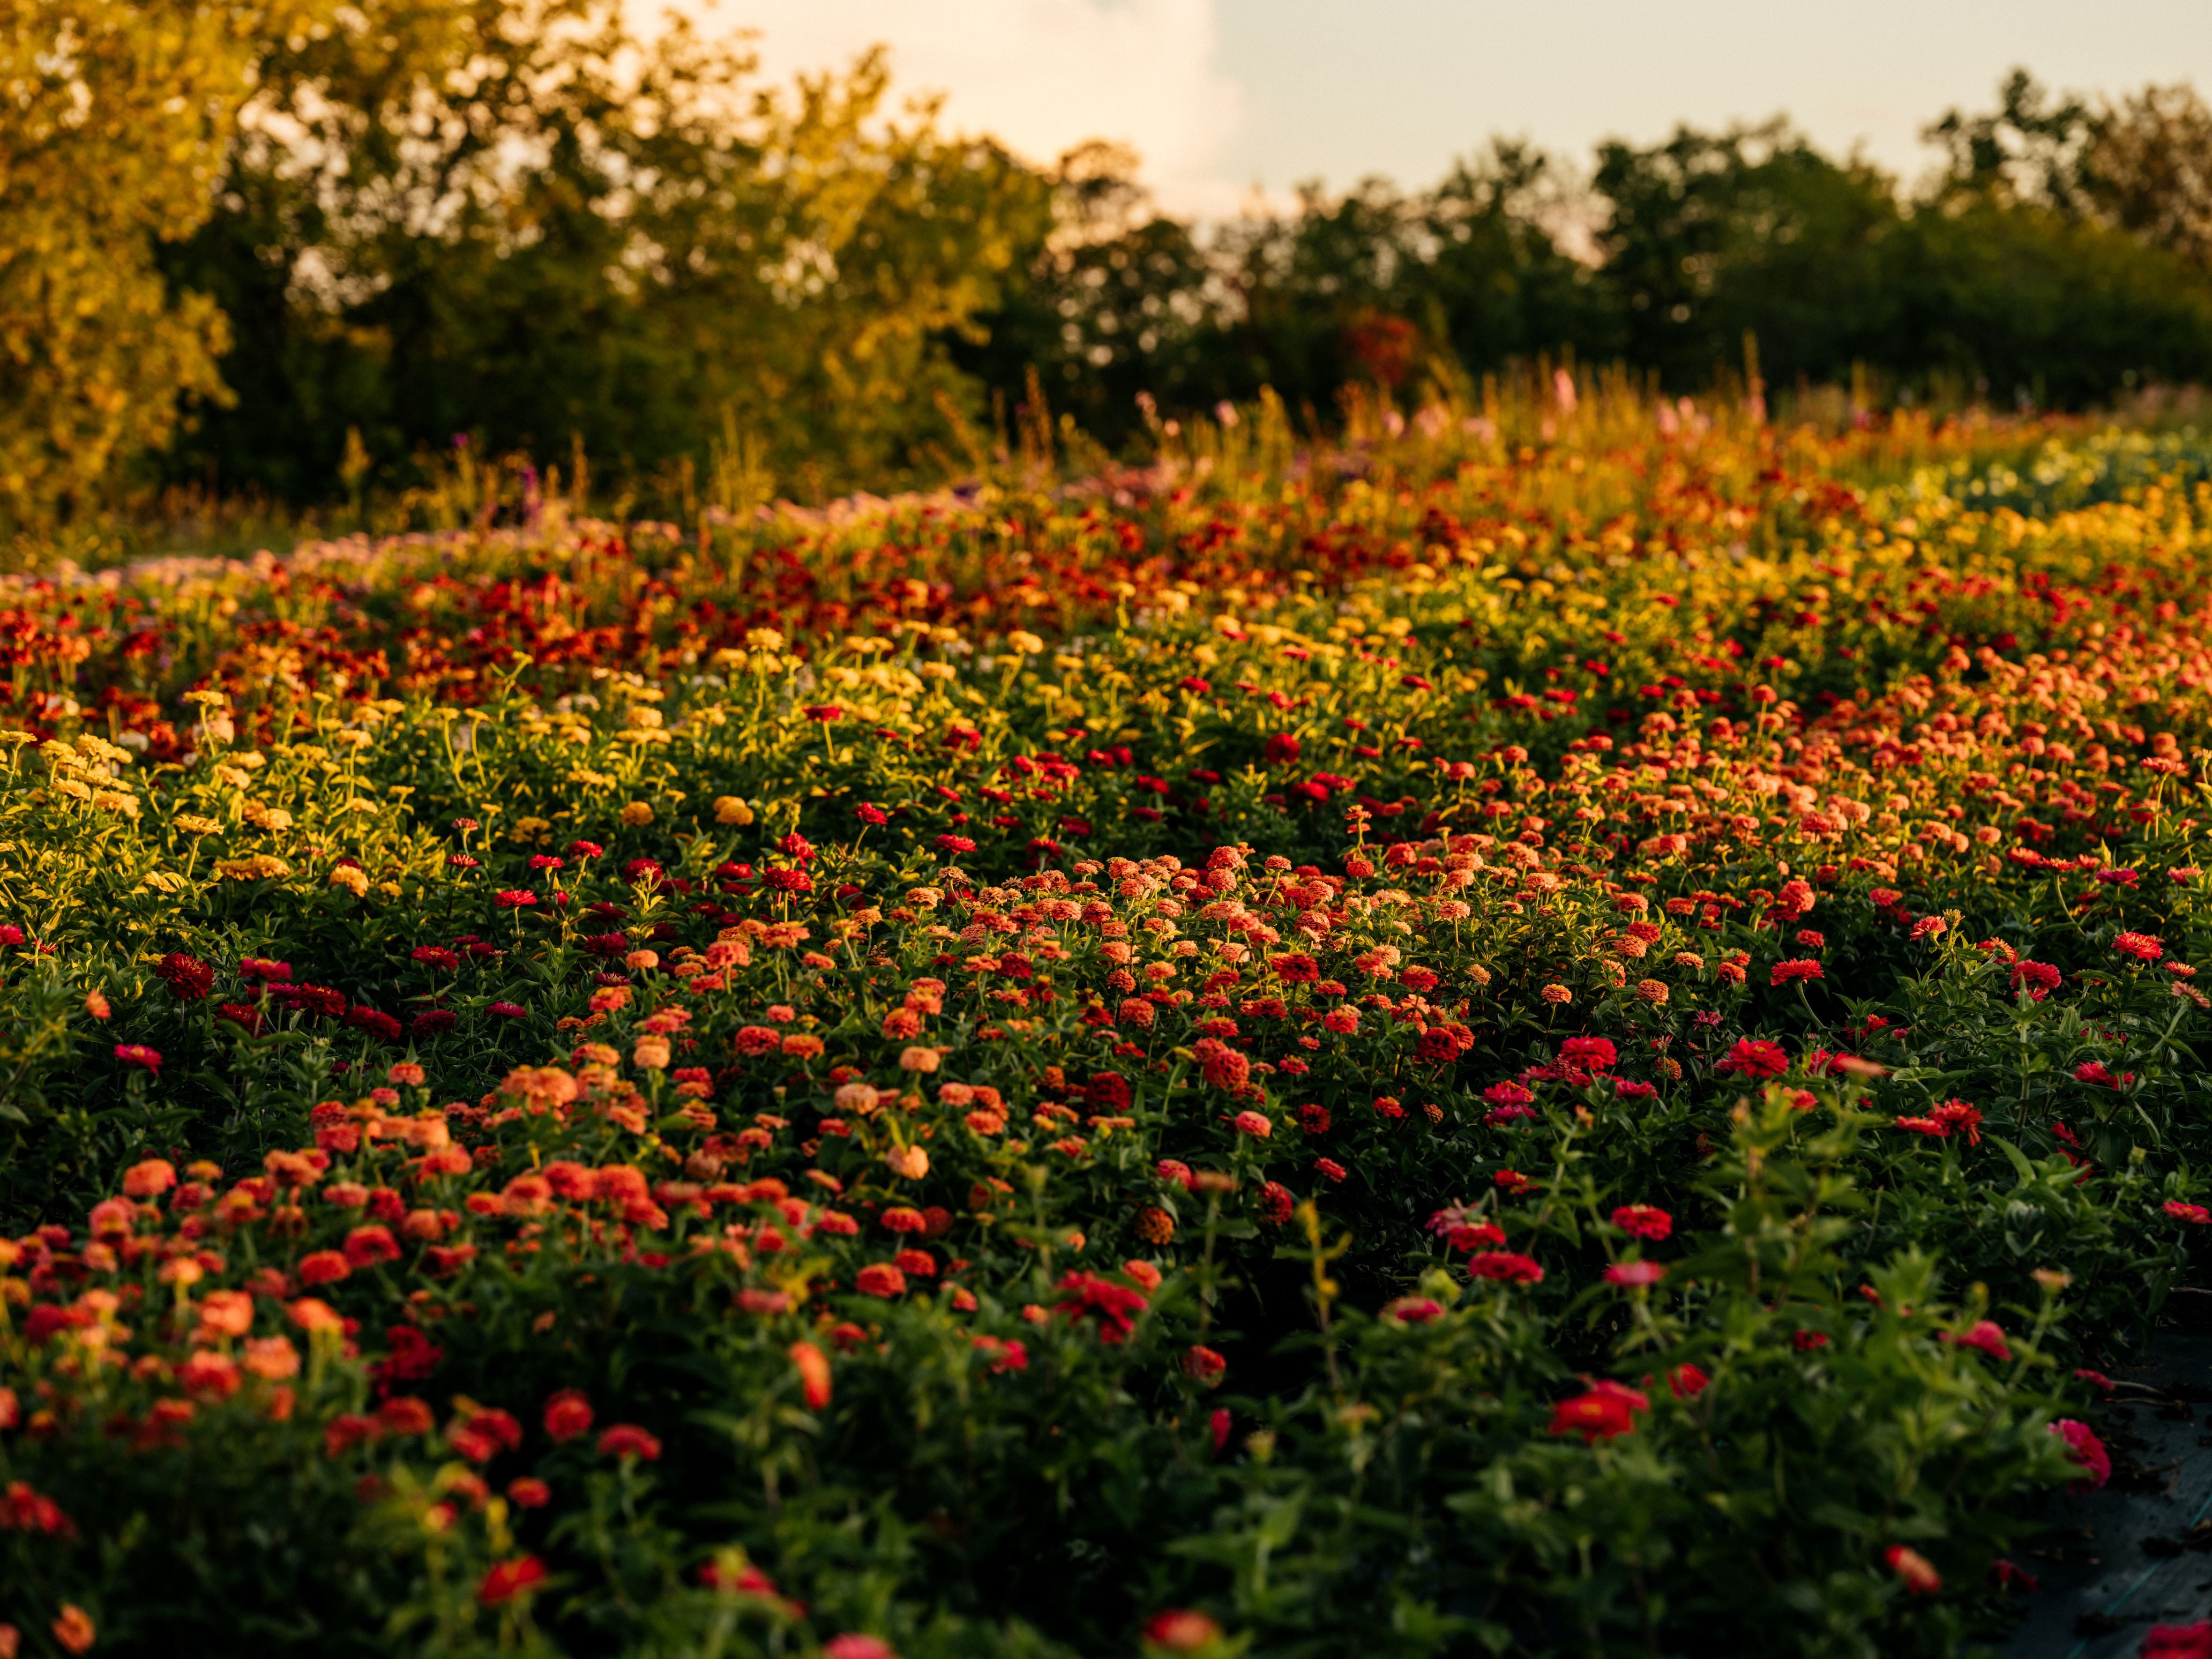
(117, 123)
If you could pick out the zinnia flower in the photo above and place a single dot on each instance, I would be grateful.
(628, 1440)
(1606, 1412)
(1754, 1058)
(1920, 1577)
(2086, 1452)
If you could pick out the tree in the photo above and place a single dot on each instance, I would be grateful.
(519, 219)
(114, 121)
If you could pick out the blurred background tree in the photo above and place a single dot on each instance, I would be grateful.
(114, 124)
(292, 256)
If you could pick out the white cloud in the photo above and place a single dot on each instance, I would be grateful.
(1040, 74)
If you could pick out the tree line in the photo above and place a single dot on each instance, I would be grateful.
(300, 249)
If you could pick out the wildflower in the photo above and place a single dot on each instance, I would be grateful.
(2086, 1452)
(628, 1440)
(880, 1278)
(1556, 995)
(187, 976)
(1920, 1577)
(1276, 1203)
(1643, 1221)
(2142, 946)
(1754, 1059)
(567, 1415)
(515, 898)
(1504, 1267)
(852, 1645)
(1960, 1117)
(2038, 979)
(2196, 1214)
(2168, 1641)
(136, 1054)
(148, 1178)
(1589, 1053)
(1202, 1364)
(73, 1628)
(813, 1367)
(1604, 1412)
(1114, 1306)
(1330, 1168)
(1785, 973)
(1635, 1273)
(1254, 1124)
(1180, 1630)
(526, 1491)
(1414, 1310)
(1989, 1337)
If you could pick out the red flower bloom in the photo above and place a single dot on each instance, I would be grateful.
(880, 1278)
(2142, 946)
(1960, 1117)
(2192, 1212)
(2086, 1452)
(1586, 1054)
(813, 1366)
(568, 1414)
(1504, 1267)
(1606, 1412)
(367, 1247)
(1635, 1273)
(1920, 1577)
(1180, 1630)
(138, 1054)
(1989, 1337)
(1754, 1058)
(1645, 1221)
(2172, 1641)
(508, 1579)
(187, 976)
(628, 1440)
(2039, 979)
(1114, 1306)
(1784, 972)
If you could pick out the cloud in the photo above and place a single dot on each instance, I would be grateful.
(1041, 76)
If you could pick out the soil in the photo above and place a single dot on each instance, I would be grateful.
(2139, 1552)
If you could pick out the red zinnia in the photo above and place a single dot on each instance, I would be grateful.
(508, 1579)
(568, 1414)
(628, 1440)
(1755, 1058)
(1606, 1411)
(1505, 1266)
(1588, 1053)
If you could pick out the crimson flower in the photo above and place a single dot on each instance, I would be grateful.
(1753, 1058)
(2086, 1452)
(508, 1579)
(1603, 1413)
(628, 1440)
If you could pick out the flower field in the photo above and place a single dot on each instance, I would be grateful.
(1567, 1042)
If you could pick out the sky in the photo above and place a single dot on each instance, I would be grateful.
(1223, 98)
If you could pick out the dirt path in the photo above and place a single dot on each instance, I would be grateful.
(2139, 1552)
